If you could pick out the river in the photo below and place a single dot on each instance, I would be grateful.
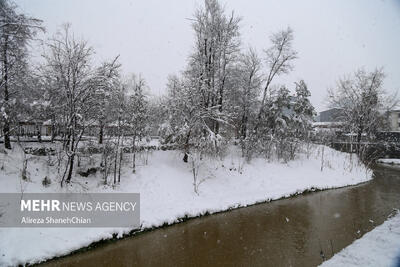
(299, 231)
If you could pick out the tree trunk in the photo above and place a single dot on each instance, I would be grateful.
(115, 167)
(6, 127)
(71, 150)
(186, 148)
(243, 130)
(101, 133)
(116, 155)
(359, 142)
(71, 167)
(359, 136)
(119, 166)
(134, 154)
(53, 132)
(6, 131)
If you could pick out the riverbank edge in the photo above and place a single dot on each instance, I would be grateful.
(354, 250)
(137, 232)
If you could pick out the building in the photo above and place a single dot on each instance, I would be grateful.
(330, 115)
(394, 120)
(329, 120)
(328, 126)
(32, 128)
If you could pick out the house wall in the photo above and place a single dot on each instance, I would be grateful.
(394, 119)
(32, 130)
(27, 130)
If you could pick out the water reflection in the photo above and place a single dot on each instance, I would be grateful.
(301, 231)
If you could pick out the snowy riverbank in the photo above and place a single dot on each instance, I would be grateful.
(380, 247)
(166, 188)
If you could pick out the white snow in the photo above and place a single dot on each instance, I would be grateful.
(389, 161)
(380, 247)
(166, 190)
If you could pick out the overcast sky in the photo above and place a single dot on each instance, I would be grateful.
(154, 37)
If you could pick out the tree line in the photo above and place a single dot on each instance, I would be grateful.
(225, 93)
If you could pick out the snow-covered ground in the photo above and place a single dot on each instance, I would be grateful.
(389, 161)
(380, 247)
(166, 188)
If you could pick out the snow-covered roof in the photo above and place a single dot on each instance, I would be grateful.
(395, 108)
(47, 123)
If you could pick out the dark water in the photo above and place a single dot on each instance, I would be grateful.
(300, 231)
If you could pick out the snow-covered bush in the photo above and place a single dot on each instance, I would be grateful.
(46, 181)
(285, 124)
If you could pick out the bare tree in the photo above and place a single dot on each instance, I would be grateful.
(216, 49)
(362, 102)
(198, 100)
(119, 103)
(16, 30)
(106, 80)
(68, 66)
(279, 61)
(248, 87)
(136, 112)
